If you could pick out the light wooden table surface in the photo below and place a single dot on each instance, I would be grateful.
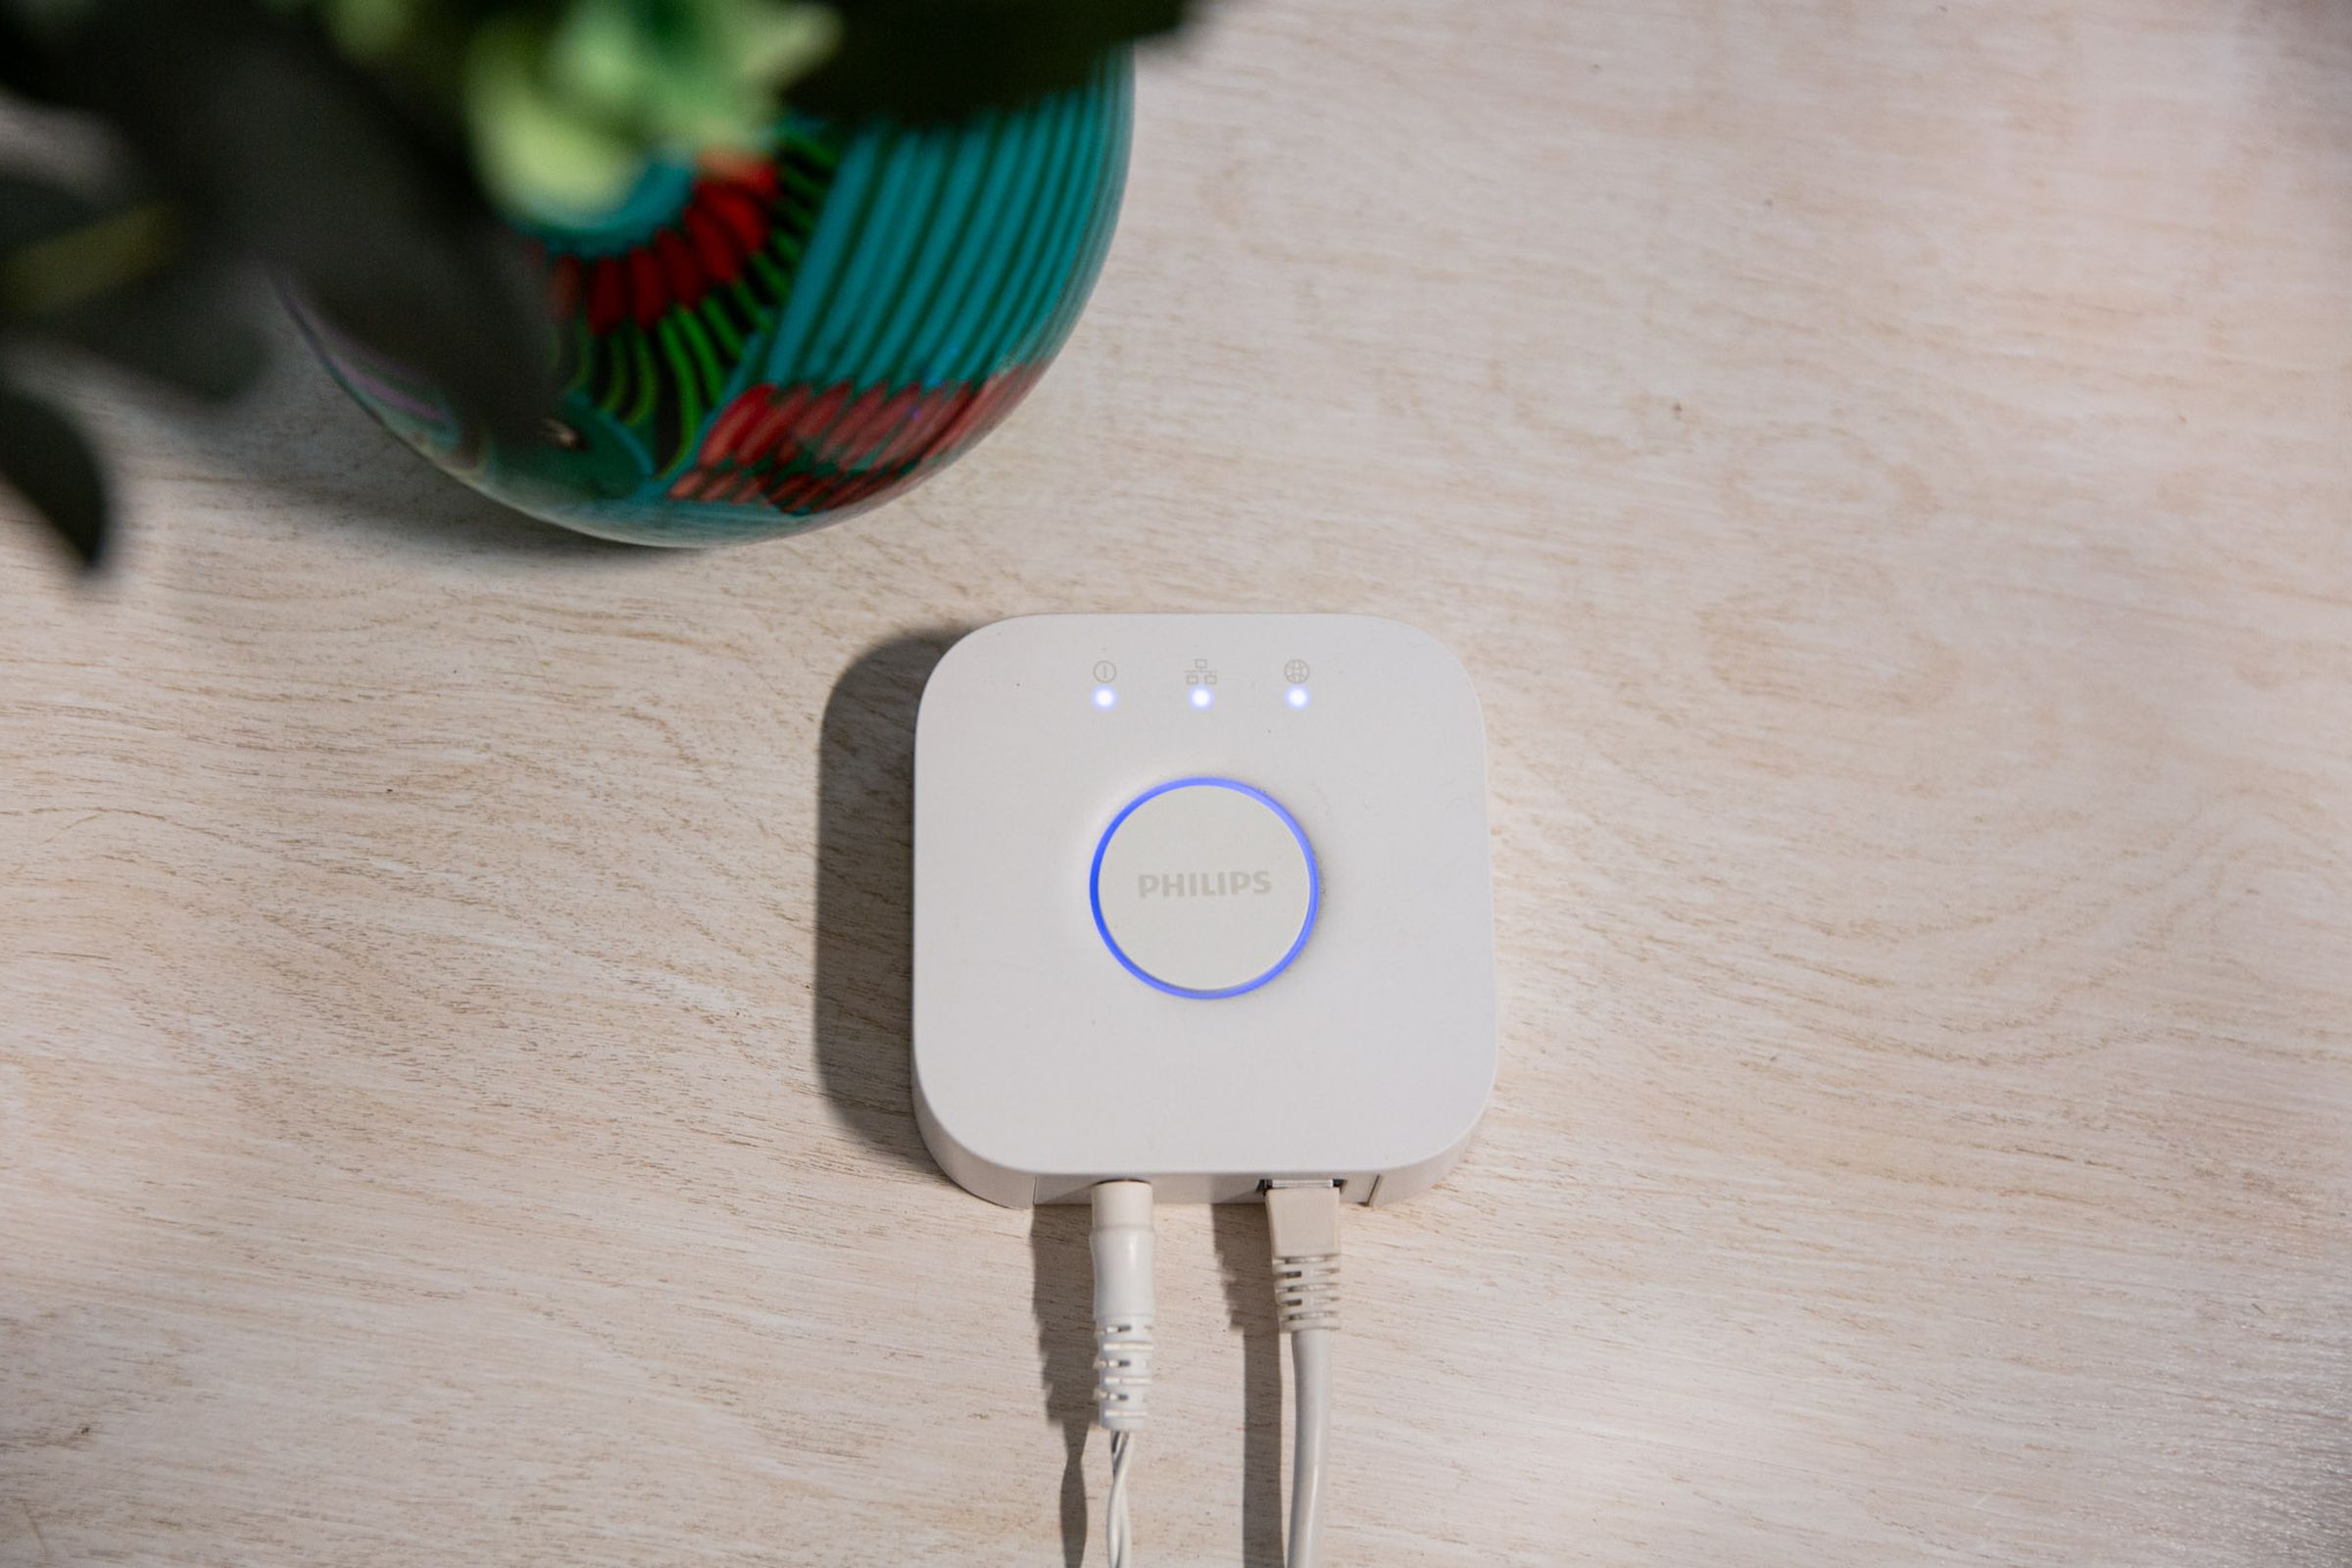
(1888, 469)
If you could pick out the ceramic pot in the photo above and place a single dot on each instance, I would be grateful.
(755, 346)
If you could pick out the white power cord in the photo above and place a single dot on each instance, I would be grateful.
(1302, 1224)
(1121, 1244)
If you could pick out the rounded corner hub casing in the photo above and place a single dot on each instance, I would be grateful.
(1203, 900)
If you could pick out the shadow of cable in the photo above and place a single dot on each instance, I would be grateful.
(1238, 1231)
(864, 1001)
(1061, 1296)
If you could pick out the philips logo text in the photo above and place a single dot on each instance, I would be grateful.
(1204, 884)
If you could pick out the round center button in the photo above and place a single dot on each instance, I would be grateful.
(1205, 887)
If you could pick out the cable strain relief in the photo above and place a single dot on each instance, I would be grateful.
(1307, 1293)
(1122, 1373)
(1302, 1223)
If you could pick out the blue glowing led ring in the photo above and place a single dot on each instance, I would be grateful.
(1306, 927)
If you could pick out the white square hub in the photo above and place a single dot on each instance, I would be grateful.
(1202, 899)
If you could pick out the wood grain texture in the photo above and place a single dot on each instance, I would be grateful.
(1887, 469)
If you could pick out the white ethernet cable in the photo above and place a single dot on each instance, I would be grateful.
(1302, 1221)
(1121, 1244)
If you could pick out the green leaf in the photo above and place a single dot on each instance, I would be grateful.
(79, 264)
(597, 60)
(534, 149)
(555, 110)
(773, 45)
(370, 30)
(45, 460)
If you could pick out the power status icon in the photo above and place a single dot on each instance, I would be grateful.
(1105, 671)
(1296, 672)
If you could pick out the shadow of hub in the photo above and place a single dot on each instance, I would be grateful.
(865, 998)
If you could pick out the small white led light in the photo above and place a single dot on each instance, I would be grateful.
(1203, 697)
(1296, 697)
(1105, 697)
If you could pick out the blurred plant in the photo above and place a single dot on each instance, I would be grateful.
(565, 102)
(355, 148)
